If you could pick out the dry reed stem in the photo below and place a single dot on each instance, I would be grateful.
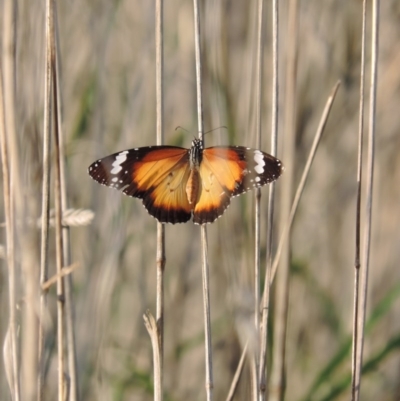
(9, 346)
(369, 197)
(158, 353)
(72, 217)
(69, 217)
(358, 205)
(263, 384)
(153, 330)
(286, 229)
(65, 271)
(62, 389)
(300, 188)
(10, 145)
(236, 377)
(205, 267)
(45, 198)
(276, 386)
(257, 279)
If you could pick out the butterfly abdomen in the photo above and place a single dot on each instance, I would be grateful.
(192, 186)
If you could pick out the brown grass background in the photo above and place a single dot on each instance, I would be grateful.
(107, 54)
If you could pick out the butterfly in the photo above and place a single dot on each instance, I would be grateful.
(176, 183)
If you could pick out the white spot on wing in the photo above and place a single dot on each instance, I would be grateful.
(121, 157)
(259, 159)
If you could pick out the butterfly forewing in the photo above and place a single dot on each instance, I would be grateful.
(154, 174)
(261, 169)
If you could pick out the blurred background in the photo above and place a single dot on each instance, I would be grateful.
(107, 65)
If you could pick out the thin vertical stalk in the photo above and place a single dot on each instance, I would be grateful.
(198, 70)
(59, 245)
(10, 144)
(66, 251)
(207, 314)
(274, 136)
(358, 202)
(155, 327)
(45, 195)
(257, 280)
(205, 268)
(58, 216)
(369, 195)
(282, 282)
(161, 256)
(8, 212)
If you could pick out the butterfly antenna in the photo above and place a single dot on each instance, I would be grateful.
(183, 129)
(214, 129)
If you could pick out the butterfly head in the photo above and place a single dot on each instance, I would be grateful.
(196, 153)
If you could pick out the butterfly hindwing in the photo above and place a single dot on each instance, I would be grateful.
(231, 171)
(155, 174)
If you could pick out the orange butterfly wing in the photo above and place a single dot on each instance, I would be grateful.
(227, 172)
(161, 177)
(157, 175)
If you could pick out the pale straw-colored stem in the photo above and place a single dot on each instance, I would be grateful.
(358, 205)
(300, 188)
(236, 377)
(277, 376)
(204, 245)
(369, 196)
(263, 390)
(62, 390)
(45, 197)
(158, 358)
(10, 145)
(10, 347)
(257, 213)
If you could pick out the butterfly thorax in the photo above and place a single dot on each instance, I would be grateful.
(193, 182)
(196, 153)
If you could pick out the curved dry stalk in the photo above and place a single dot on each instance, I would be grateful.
(236, 377)
(369, 196)
(65, 271)
(300, 188)
(358, 205)
(286, 230)
(153, 330)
